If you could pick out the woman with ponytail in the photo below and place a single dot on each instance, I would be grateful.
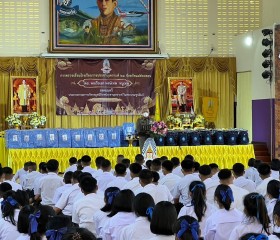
(199, 208)
(256, 217)
(220, 224)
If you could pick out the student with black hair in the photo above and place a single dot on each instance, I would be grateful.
(169, 179)
(78, 234)
(156, 166)
(240, 181)
(101, 216)
(196, 166)
(67, 179)
(251, 172)
(148, 164)
(134, 184)
(163, 219)
(86, 162)
(264, 172)
(87, 206)
(21, 173)
(276, 222)
(106, 176)
(29, 180)
(272, 194)
(220, 224)
(98, 164)
(49, 183)
(186, 228)
(10, 206)
(275, 167)
(126, 162)
(57, 226)
(214, 170)
(177, 167)
(189, 157)
(121, 215)
(72, 165)
(119, 181)
(23, 222)
(143, 206)
(256, 217)
(7, 176)
(199, 208)
(139, 158)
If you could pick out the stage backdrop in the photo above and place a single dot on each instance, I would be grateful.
(104, 87)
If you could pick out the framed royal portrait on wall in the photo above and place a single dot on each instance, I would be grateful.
(24, 94)
(100, 26)
(181, 94)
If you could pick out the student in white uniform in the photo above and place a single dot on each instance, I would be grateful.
(10, 206)
(72, 165)
(7, 177)
(87, 206)
(256, 217)
(264, 172)
(156, 167)
(28, 180)
(177, 167)
(169, 179)
(139, 158)
(143, 206)
(121, 215)
(101, 216)
(220, 224)
(106, 176)
(98, 164)
(187, 227)
(86, 162)
(273, 188)
(126, 162)
(163, 219)
(275, 167)
(119, 181)
(276, 222)
(240, 181)
(256, 166)
(196, 166)
(23, 222)
(134, 184)
(67, 184)
(214, 170)
(4, 187)
(21, 172)
(251, 172)
(199, 208)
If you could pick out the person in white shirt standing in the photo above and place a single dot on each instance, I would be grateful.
(240, 181)
(264, 171)
(119, 181)
(73, 165)
(169, 179)
(49, 183)
(7, 176)
(134, 184)
(86, 162)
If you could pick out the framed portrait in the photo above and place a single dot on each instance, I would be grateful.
(181, 94)
(24, 94)
(100, 26)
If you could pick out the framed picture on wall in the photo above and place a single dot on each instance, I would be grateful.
(181, 94)
(24, 94)
(99, 26)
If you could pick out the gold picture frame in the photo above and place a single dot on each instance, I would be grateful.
(180, 94)
(24, 94)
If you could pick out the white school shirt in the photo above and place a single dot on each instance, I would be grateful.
(210, 186)
(261, 188)
(270, 207)
(178, 171)
(238, 195)
(58, 192)
(162, 237)
(7, 230)
(72, 168)
(47, 186)
(37, 182)
(85, 208)
(220, 224)
(247, 226)
(118, 182)
(170, 180)
(252, 174)
(103, 179)
(189, 210)
(23, 236)
(138, 230)
(90, 170)
(215, 176)
(127, 175)
(273, 237)
(19, 174)
(181, 190)
(245, 183)
(67, 199)
(28, 180)
(116, 223)
(100, 218)
(275, 174)
(158, 192)
(134, 185)
(15, 186)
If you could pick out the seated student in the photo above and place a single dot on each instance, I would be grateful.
(148, 164)
(67, 184)
(186, 228)
(143, 206)
(169, 179)
(272, 194)
(256, 220)
(226, 178)
(23, 222)
(256, 166)
(134, 184)
(10, 206)
(220, 224)
(28, 180)
(79, 165)
(251, 172)
(214, 170)
(106, 176)
(196, 166)
(139, 158)
(275, 167)
(49, 183)
(126, 162)
(21, 172)
(85, 207)
(98, 163)
(121, 215)
(120, 157)
(68, 197)
(156, 167)
(255, 236)
(199, 208)
(276, 222)
(101, 216)
(177, 167)
(240, 181)
(7, 176)
(78, 234)
(57, 226)
(158, 192)
(72, 165)
(264, 172)
(210, 184)
(163, 218)
(4, 187)
(86, 162)
(189, 157)
(42, 173)
(119, 180)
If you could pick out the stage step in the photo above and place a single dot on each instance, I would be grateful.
(261, 152)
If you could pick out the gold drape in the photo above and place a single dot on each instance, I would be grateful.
(213, 77)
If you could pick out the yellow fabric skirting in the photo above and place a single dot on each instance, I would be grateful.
(225, 156)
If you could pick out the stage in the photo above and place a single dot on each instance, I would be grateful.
(224, 155)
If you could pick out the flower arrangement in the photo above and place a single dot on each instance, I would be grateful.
(170, 118)
(199, 120)
(159, 128)
(14, 120)
(35, 120)
(177, 120)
